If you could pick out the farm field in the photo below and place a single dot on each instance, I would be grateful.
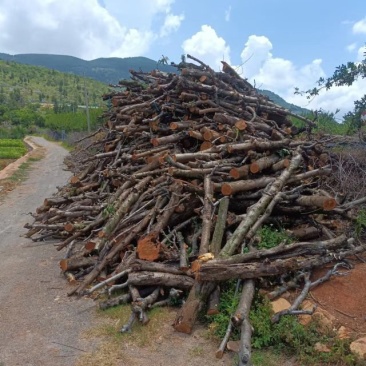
(10, 150)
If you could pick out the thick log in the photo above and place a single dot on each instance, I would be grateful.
(263, 163)
(206, 215)
(214, 302)
(187, 315)
(218, 234)
(75, 263)
(241, 318)
(240, 172)
(273, 268)
(140, 265)
(295, 249)
(323, 202)
(145, 278)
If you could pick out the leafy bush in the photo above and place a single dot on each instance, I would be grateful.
(69, 122)
(229, 301)
(360, 222)
(287, 336)
(271, 237)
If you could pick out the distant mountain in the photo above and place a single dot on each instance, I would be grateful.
(111, 70)
(22, 84)
(280, 101)
(107, 70)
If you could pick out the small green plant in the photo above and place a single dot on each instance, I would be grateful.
(229, 301)
(360, 223)
(260, 318)
(286, 338)
(271, 237)
(109, 210)
(290, 337)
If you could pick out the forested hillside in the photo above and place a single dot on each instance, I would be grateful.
(30, 84)
(36, 99)
(111, 70)
(107, 70)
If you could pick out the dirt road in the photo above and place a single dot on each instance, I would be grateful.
(37, 324)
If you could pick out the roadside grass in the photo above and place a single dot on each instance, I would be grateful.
(21, 173)
(109, 351)
(4, 163)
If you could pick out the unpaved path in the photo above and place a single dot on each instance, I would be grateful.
(37, 320)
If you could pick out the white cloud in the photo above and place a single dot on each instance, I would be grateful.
(282, 76)
(208, 46)
(360, 26)
(171, 23)
(361, 53)
(86, 29)
(228, 14)
(255, 53)
(351, 47)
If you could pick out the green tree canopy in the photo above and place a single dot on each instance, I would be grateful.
(344, 75)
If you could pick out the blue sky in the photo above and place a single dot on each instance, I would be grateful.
(276, 44)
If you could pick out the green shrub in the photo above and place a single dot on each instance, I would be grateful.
(271, 237)
(360, 222)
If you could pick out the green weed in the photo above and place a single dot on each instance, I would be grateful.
(287, 338)
(360, 222)
(271, 237)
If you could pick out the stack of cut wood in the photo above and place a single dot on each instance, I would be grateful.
(169, 196)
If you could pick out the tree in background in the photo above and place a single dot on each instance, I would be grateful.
(163, 61)
(344, 75)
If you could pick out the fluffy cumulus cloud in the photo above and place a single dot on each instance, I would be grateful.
(281, 76)
(360, 27)
(275, 73)
(87, 29)
(208, 46)
(171, 23)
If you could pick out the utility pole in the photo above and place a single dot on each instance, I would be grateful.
(87, 106)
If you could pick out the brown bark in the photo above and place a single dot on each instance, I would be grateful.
(274, 268)
(256, 210)
(206, 216)
(218, 234)
(75, 263)
(144, 278)
(241, 318)
(263, 163)
(187, 315)
(214, 302)
(323, 202)
(240, 172)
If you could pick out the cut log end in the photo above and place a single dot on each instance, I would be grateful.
(241, 125)
(148, 249)
(69, 227)
(329, 204)
(226, 189)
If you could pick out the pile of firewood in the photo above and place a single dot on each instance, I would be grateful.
(169, 196)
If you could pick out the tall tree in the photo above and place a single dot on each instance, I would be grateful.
(344, 75)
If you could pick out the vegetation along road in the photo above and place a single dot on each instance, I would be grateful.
(36, 316)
